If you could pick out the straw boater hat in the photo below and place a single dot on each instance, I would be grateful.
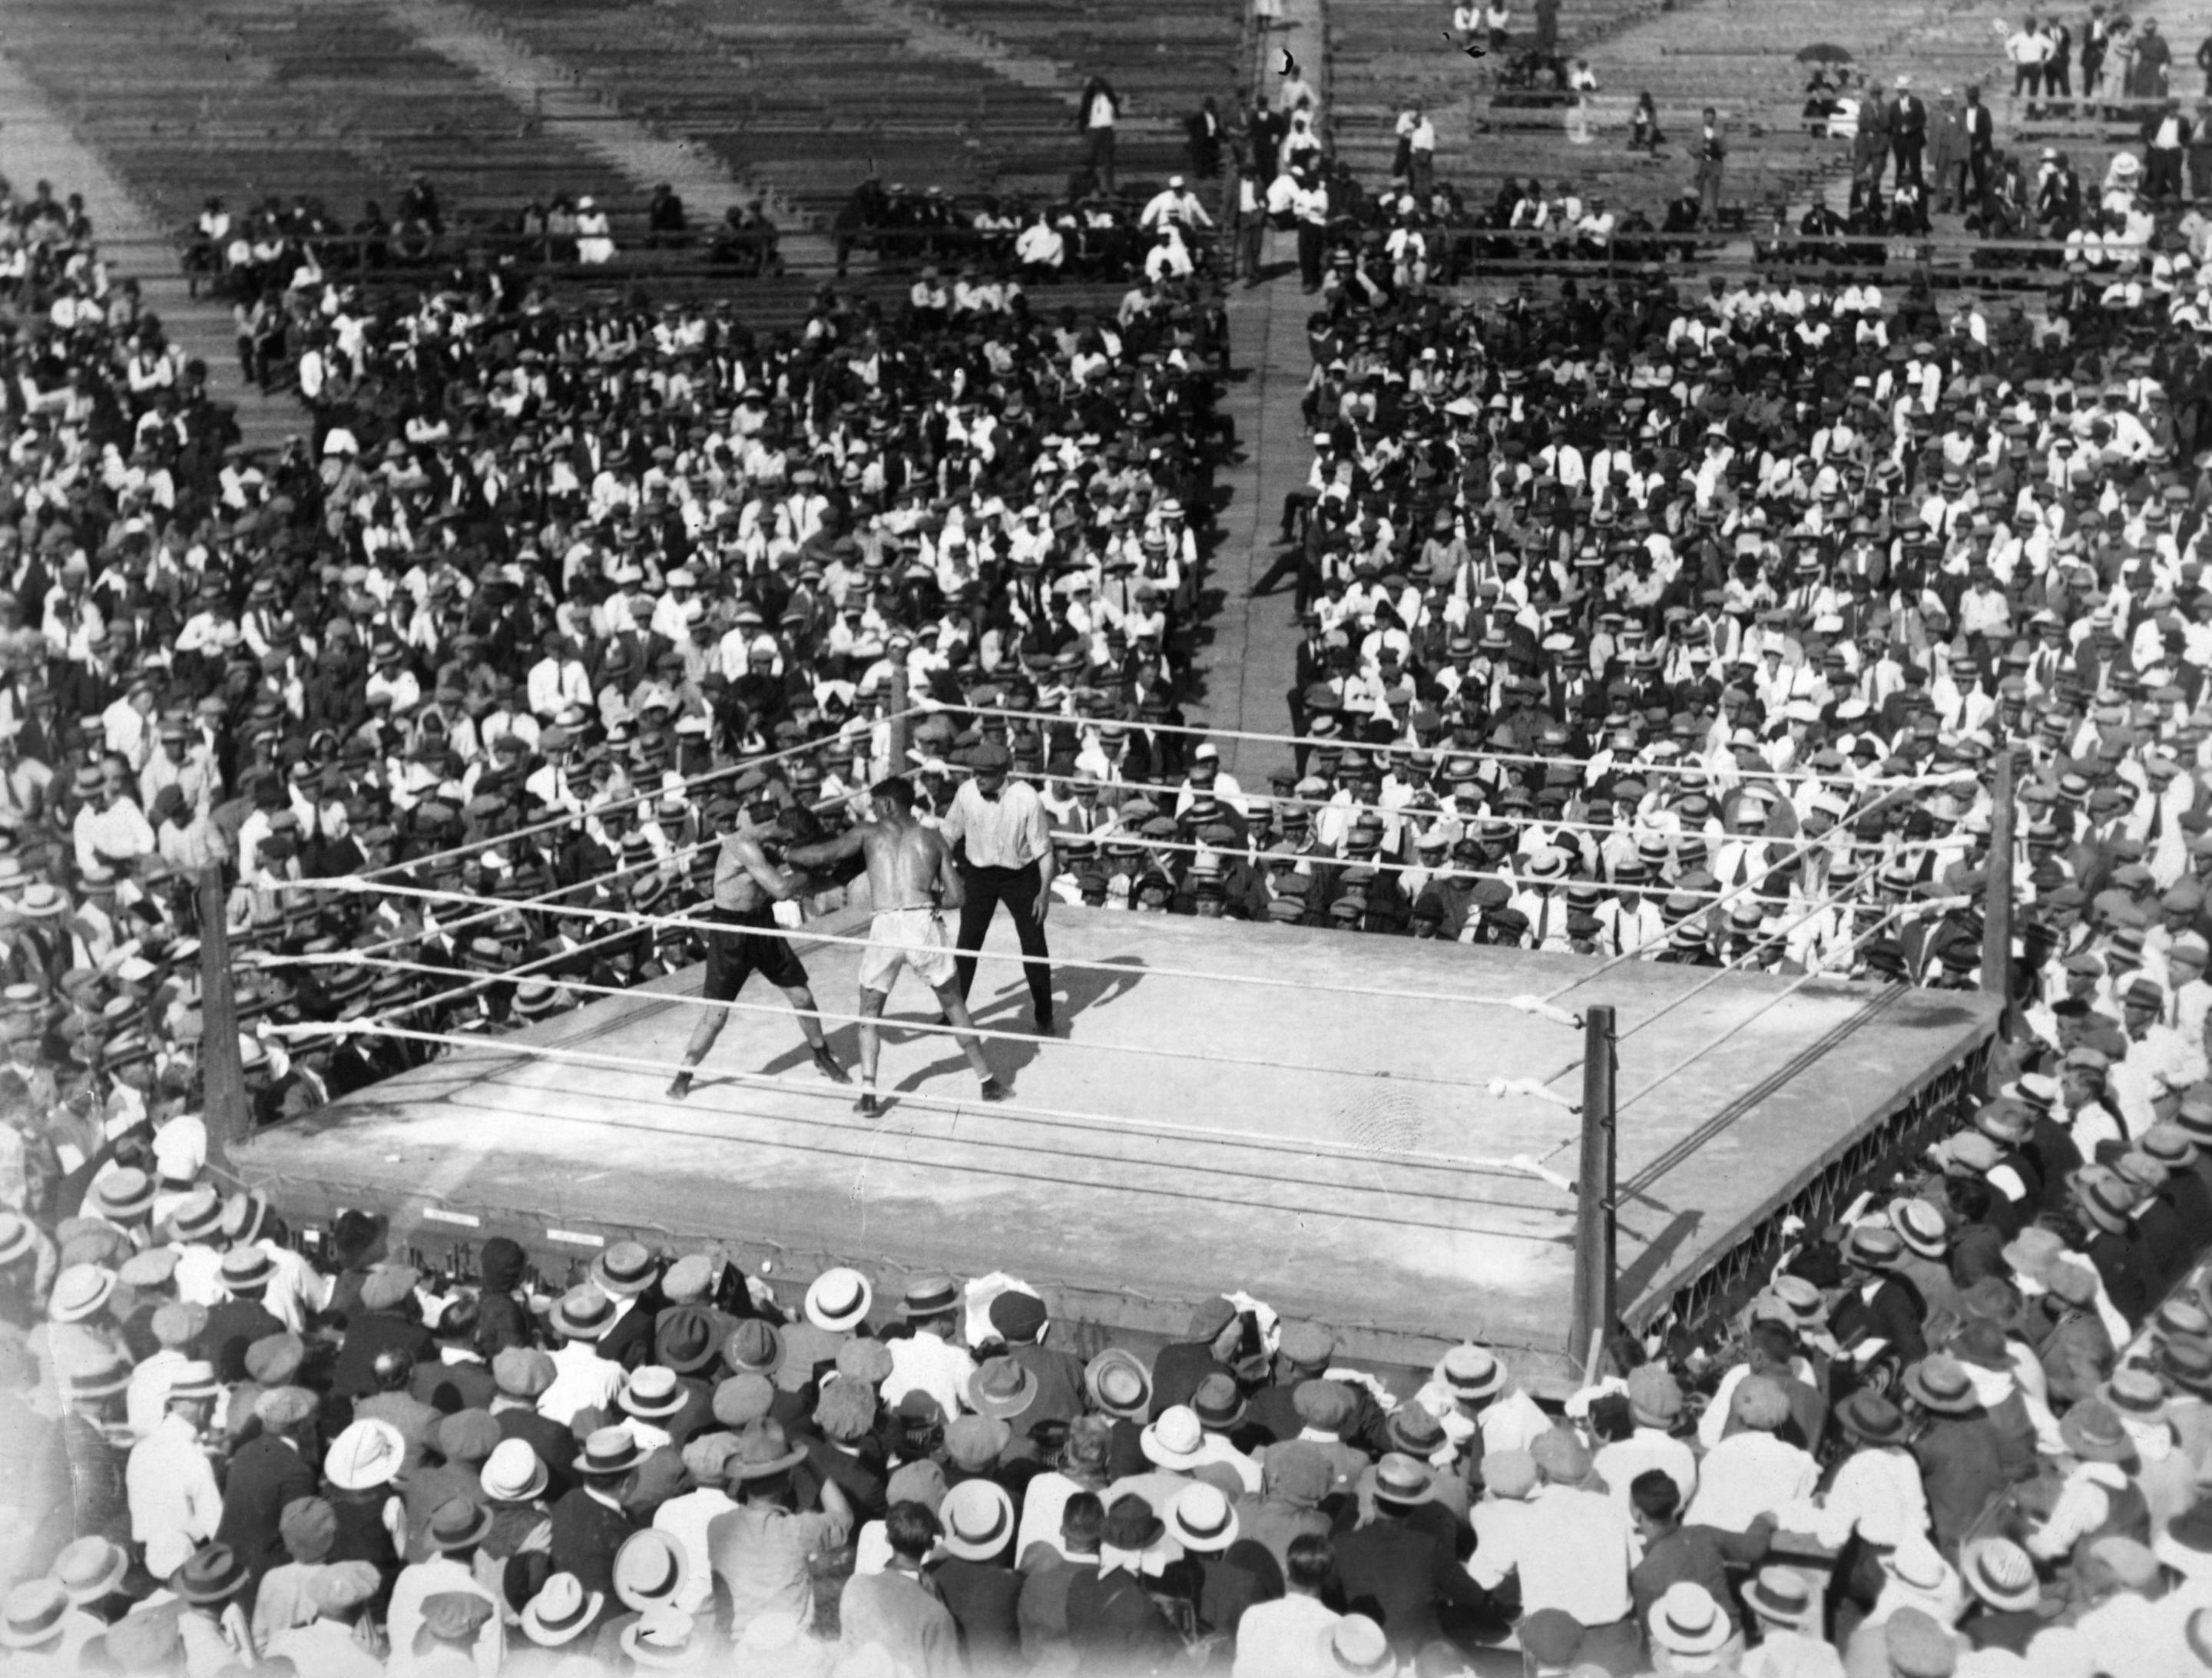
(650, 1572)
(562, 1611)
(839, 1300)
(1686, 1622)
(979, 1519)
(2001, 1573)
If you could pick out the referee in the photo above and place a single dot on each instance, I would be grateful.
(1002, 839)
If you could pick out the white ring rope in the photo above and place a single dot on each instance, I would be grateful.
(1537, 1006)
(1340, 743)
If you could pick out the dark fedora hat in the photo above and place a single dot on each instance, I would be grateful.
(212, 1573)
(1130, 1524)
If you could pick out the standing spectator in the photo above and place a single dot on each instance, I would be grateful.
(1947, 153)
(1870, 148)
(1908, 134)
(1981, 143)
(1310, 206)
(2027, 48)
(2149, 60)
(2058, 65)
(2166, 137)
(1203, 135)
(1095, 111)
(1547, 27)
(175, 1505)
(1417, 145)
(1712, 158)
(2096, 42)
(1251, 221)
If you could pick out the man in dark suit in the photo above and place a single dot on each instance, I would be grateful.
(242, 1319)
(1908, 133)
(2166, 137)
(1113, 1623)
(522, 1375)
(268, 1471)
(2058, 67)
(1398, 1571)
(589, 1523)
(626, 1271)
(1961, 1455)
(457, 1379)
(1215, 1328)
(1021, 1322)
(1879, 1305)
(388, 1320)
(1981, 142)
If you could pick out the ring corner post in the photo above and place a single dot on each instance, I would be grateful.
(1594, 1302)
(223, 1069)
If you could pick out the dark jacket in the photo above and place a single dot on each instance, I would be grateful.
(1396, 1573)
(370, 1333)
(586, 1534)
(1178, 1372)
(1962, 1467)
(984, 1600)
(1117, 1629)
(264, 1475)
(232, 1327)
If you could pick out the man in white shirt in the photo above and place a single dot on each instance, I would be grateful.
(929, 1360)
(1570, 1547)
(1419, 134)
(558, 679)
(175, 1503)
(110, 831)
(1655, 1405)
(1002, 840)
(2028, 47)
(456, 1528)
(582, 1379)
(2147, 1082)
(1289, 1637)
(1174, 205)
(1752, 1473)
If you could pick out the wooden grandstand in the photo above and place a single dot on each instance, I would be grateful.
(245, 99)
(1735, 55)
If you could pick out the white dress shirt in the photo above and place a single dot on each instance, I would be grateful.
(582, 1379)
(1573, 1550)
(176, 1503)
(931, 1363)
(1285, 1638)
(1746, 1475)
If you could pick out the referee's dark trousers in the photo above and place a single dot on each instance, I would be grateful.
(1017, 888)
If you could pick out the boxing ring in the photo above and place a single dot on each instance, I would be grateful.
(1375, 1133)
